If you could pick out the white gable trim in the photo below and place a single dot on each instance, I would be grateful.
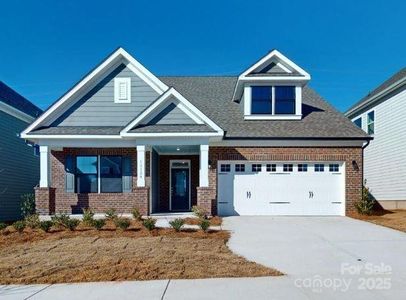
(276, 54)
(186, 106)
(120, 53)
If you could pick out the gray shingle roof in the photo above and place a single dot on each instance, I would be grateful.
(212, 95)
(14, 99)
(387, 83)
(102, 130)
(171, 128)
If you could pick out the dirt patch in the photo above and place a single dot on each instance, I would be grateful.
(214, 221)
(110, 255)
(395, 219)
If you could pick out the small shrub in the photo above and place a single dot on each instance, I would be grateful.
(136, 214)
(19, 226)
(27, 205)
(111, 214)
(88, 216)
(99, 223)
(45, 225)
(32, 221)
(366, 204)
(3, 226)
(199, 212)
(204, 225)
(177, 224)
(122, 223)
(149, 223)
(71, 224)
(60, 220)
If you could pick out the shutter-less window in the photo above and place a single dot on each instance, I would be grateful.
(127, 174)
(69, 174)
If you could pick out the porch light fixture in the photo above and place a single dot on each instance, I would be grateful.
(177, 149)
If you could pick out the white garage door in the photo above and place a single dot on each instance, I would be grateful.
(281, 188)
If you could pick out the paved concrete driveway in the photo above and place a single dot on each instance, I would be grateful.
(324, 247)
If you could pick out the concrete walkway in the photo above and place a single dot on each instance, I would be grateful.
(324, 258)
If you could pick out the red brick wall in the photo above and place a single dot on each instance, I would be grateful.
(353, 175)
(139, 197)
(73, 203)
(164, 178)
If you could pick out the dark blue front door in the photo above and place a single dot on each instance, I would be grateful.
(180, 189)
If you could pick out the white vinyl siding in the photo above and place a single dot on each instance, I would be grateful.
(385, 156)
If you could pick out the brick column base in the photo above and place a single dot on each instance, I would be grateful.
(206, 199)
(44, 201)
(142, 199)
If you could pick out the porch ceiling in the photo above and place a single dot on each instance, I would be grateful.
(183, 149)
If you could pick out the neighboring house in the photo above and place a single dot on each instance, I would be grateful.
(262, 143)
(19, 169)
(380, 114)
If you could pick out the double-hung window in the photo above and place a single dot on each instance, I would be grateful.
(261, 100)
(86, 174)
(111, 174)
(371, 122)
(285, 99)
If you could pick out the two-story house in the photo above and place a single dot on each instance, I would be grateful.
(261, 143)
(19, 162)
(380, 114)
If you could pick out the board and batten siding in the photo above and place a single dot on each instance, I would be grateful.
(19, 167)
(385, 156)
(97, 108)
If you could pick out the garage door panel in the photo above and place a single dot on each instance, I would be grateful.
(261, 192)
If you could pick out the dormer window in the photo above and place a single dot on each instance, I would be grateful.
(285, 98)
(122, 90)
(261, 100)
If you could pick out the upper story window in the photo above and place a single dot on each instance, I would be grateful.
(358, 122)
(261, 100)
(371, 122)
(122, 90)
(285, 100)
(270, 102)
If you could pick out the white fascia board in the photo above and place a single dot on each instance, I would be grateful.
(381, 94)
(275, 79)
(134, 65)
(288, 143)
(12, 111)
(59, 136)
(173, 134)
(273, 117)
(280, 56)
(190, 110)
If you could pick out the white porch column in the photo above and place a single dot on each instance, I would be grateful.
(141, 165)
(204, 166)
(45, 168)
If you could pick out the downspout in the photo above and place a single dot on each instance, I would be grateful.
(362, 160)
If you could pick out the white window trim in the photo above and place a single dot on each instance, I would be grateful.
(117, 82)
(248, 103)
(368, 123)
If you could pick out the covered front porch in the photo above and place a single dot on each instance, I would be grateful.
(174, 174)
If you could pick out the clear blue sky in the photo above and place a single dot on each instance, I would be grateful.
(348, 47)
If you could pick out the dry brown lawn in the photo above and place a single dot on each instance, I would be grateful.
(109, 255)
(395, 219)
